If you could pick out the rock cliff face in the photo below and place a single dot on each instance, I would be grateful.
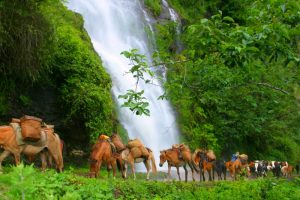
(44, 103)
(164, 15)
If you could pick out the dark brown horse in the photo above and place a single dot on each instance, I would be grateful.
(201, 160)
(171, 156)
(102, 152)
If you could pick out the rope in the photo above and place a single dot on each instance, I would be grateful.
(7, 139)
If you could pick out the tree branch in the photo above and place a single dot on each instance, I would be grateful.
(164, 63)
(264, 84)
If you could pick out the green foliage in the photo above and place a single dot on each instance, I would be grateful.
(135, 100)
(51, 185)
(154, 6)
(66, 185)
(85, 89)
(235, 85)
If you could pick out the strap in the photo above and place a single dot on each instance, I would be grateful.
(107, 148)
(7, 139)
(181, 161)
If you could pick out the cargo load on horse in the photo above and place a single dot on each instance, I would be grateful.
(31, 128)
(116, 139)
(137, 148)
(209, 154)
(244, 157)
(183, 151)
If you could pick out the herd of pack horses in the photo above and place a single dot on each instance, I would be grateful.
(30, 136)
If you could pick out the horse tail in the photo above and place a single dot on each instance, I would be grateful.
(192, 164)
(64, 148)
(58, 148)
(154, 170)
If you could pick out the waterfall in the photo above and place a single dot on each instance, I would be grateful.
(119, 25)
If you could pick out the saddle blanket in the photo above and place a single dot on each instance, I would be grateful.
(40, 143)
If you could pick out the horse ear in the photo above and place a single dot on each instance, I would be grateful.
(165, 152)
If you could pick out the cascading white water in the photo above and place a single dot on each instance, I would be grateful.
(115, 26)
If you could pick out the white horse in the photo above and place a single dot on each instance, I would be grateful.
(127, 157)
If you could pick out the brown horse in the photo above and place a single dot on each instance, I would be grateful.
(236, 167)
(63, 148)
(9, 143)
(171, 156)
(200, 160)
(102, 152)
(127, 157)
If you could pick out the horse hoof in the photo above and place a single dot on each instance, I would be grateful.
(147, 179)
(1, 172)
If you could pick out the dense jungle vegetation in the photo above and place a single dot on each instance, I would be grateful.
(236, 83)
(44, 45)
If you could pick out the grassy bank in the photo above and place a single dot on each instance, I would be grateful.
(68, 185)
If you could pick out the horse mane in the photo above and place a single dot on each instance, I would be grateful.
(94, 149)
(168, 150)
(98, 143)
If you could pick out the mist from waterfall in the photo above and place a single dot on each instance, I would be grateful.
(119, 25)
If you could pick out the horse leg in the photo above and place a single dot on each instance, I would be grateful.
(17, 158)
(132, 167)
(213, 172)
(192, 168)
(147, 165)
(99, 166)
(178, 173)
(186, 173)
(57, 162)
(43, 161)
(50, 161)
(113, 164)
(209, 174)
(31, 158)
(203, 170)
(169, 169)
(125, 170)
(3, 155)
(108, 168)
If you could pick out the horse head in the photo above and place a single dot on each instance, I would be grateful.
(93, 167)
(163, 158)
(197, 159)
(201, 157)
(228, 165)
